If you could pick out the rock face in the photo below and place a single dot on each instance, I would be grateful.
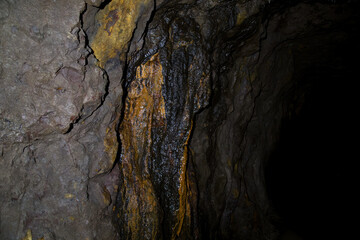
(54, 141)
(153, 119)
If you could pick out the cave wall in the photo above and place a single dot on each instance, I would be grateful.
(56, 116)
(151, 119)
(312, 160)
(259, 88)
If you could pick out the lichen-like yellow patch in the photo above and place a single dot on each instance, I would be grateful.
(117, 23)
(106, 196)
(111, 145)
(28, 235)
(240, 18)
(69, 195)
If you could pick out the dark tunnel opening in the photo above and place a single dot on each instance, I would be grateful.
(310, 174)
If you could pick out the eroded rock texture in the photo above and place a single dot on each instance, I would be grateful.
(55, 115)
(153, 119)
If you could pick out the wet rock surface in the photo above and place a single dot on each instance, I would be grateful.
(154, 119)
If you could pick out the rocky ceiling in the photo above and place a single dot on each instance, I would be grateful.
(193, 119)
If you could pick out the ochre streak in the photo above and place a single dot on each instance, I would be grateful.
(111, 147)
(184, 211)
(144, 110)
(117, 23)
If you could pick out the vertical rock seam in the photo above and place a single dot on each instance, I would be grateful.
(118, 21)
(144, 110)
(167, 83)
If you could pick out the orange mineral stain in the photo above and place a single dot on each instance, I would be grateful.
(117, 23)
(184, 211)
(111, 146)
(144, 109)
(28, 235)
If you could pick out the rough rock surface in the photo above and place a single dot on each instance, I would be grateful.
(52, 129)
(152, 119)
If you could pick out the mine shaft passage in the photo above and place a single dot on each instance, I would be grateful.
(310, 172)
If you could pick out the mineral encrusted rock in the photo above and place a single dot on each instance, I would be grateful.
(150, 119)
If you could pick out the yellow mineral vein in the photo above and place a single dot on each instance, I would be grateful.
(117, 23)
(183, 213)
(144, 110)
